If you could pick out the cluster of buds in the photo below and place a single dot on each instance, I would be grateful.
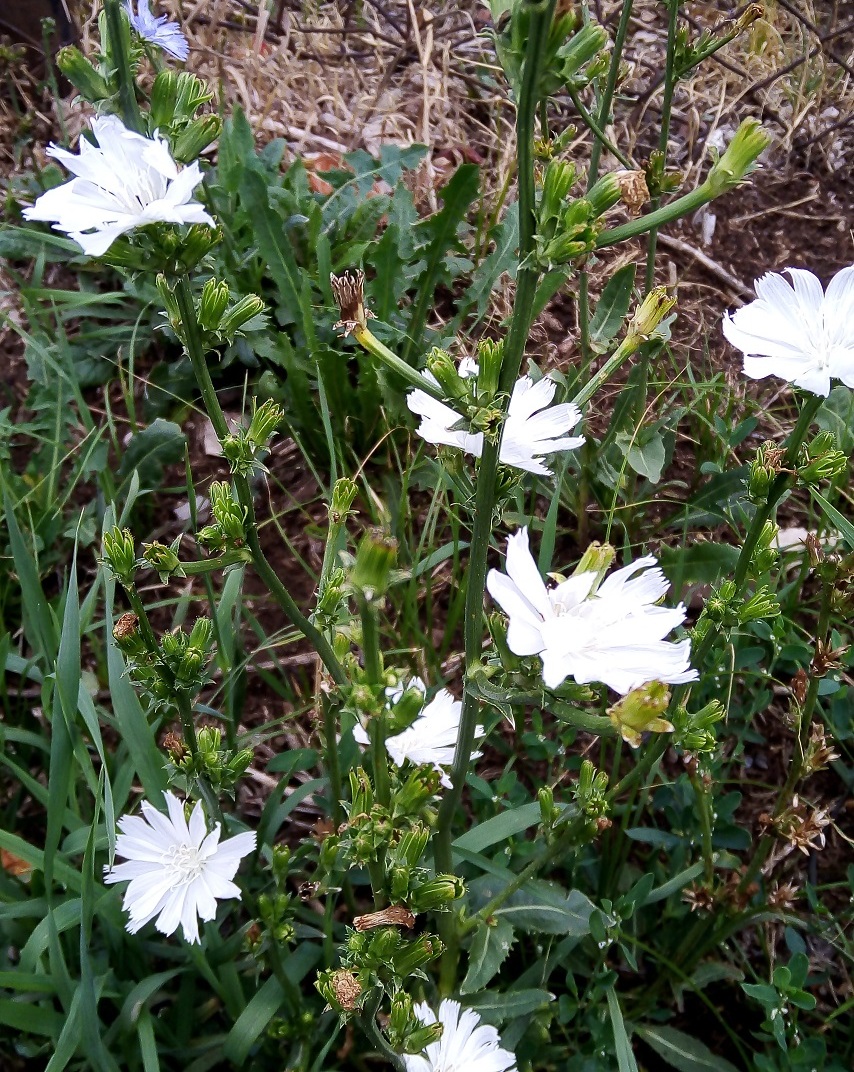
(178, 665)
(385, 956)
(764, 470)
(406, 1033)
(412, 884)
(694, 732)
(120, 555)
(163, 560)
(367, 830)
(567, 228)
(640, 711)
(820, 460)
(228, 530)
(726, 610)
(176, 98)
(765, 553)
(591, 797)
(219, 320)
(689, 53)
(219, 767)
(245, 447)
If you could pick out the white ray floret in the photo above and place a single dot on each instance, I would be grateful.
(797, 331)
(124, 182)
(533, 429)
(431, 739)
(157, 30)
(466, 1044)
(613, 634)
(177, 870)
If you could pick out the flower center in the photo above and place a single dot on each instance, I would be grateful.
(184, 863)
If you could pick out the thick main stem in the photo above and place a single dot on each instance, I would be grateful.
(131, 115)
(196, 353)
(540, 22)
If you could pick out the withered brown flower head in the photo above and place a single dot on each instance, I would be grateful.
(803, 829)
(700, 898)
(633, 190)
(819, 753)
(347, 989)
(826, 658)
(800, 686)
(125, 627)
(782, 898)
(394, 916)
(174, 745)
(349, 291)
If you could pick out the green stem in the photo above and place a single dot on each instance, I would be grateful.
(333, 764)
(624, 351)
(211, 565)
(670, 80)
(368, 1022)
(381, 352)
(131, 115)
(541, 14)
(185, 711)
(593, 170)
(702, 794)
(598, 132)
(196, 352)
(673, 210)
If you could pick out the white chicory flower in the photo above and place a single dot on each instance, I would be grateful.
(798, 331)
(431, 739)
(533, 428)
(177, 870)
(123, 182)
(613, 634)
(466, 1044)
(157, 30)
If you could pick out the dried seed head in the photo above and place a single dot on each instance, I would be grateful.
(803, 829)
(346, 988)
(782, 897)
(126, 627)
(633, 190)
(699, 898)
(826, 658)
(349, 291)
(814, 549)
(819, 753)
(395, 916)
(174, 745)
(800, 686)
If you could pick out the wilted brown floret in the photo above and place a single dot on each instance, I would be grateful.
(395, 916)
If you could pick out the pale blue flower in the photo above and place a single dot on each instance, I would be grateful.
(158, 31)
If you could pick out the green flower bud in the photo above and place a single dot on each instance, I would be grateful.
(582, 57)
(191, 94)
(212, 304)
(240, 314)
(164, 99)
(436, 894)
(415, 955)
(239, 762)
(343, 494)
(740, 158)
(762, 604)
(549, 814)
(557, 182)
(641, 711)
(228, 514)
(442, 366)
(163, 560)
(120, 555)
(412, 845)
(195, 243)
(196, 137)
(406, 1033)
(490, 357)
(375, 561)
(211, 539)
(265, 420)
(596, 559)
(201, 635)
(85, 78)
(605, 193)
(210, 740)
(590, 791)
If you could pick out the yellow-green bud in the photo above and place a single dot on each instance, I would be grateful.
(191, 94)
(649, 314)
(641, 711)
(375, 560)
(196, 137)
(265, 420)
(444, 368)
(596, 559)
(740, 158)
(240, 314)
(605, 193)
(163, 560)
(343, 493)
(120, 555)
(164, 98)
(436, 894)
(490, 357)
(212, 304)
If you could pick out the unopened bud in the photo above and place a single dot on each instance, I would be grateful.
(436, 894)
(649, 314)
(640, 711)
(375, 561)
(196, 137)
(605, 193)
(240, 314)
(740, 158)
(164, 98)
(120, 555)
(343, 494)
(596, 559)
(85, 78)
(442, 366)
(212, 305)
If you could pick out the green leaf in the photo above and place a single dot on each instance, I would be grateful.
(488, 952)
(612, 308)
(503, 258)
(644, 451)
(268, 230)
(622, 1046)
(38, 621)
(845, 527)
(683, 1052)
(500, 827)
(540, 906)
(441, 230)
(258, 1013)
(498, 1008)
(161, 443)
